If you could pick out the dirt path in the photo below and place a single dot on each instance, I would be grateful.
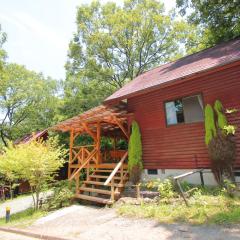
(16, 205)
(89, 223)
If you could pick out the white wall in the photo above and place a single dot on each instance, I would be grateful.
(194, 178)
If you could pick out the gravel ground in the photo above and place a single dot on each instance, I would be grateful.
(12, 236)
(91, 223)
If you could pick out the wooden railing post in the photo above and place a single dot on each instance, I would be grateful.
(98, 143)
(88, 169)
(77, 183)
(70, 154)
(112, 189)
(121, 174)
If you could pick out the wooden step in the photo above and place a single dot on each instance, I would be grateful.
(102, 183)
(107, 170)
(96, 190)
(93, 199)
(104, 177)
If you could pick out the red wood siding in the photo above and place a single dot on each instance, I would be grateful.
(182, 146)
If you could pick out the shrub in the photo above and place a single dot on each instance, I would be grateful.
(222, 152)
(135, 164)
(61, 197)
(210, 128)
(166, 189)
(36, 162)
(221, 145)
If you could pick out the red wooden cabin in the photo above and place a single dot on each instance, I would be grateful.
(168, 103)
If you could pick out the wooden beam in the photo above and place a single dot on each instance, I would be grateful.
(87, 129)
(122, 127)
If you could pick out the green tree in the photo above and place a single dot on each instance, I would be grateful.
(3, 38)
(81, 96)
(135, 164)
(28, 102)
(113, 44)
(36, 162)
(219, 20)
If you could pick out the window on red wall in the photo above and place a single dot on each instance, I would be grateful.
(184, 110)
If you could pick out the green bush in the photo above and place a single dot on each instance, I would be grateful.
(221, 145)
(221, 118)
(166, 189)
(210, 128)
(61, 197)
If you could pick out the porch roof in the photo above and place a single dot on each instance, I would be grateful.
(110, 118)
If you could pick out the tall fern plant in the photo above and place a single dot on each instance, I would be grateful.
(220, 142)
(135, 164)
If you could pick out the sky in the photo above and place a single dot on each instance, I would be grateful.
(39, 31)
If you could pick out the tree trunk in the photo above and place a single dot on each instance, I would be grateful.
(34, 201)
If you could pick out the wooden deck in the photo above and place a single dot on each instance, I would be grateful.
(105, 171)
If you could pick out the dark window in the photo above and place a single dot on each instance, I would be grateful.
(184, 110)
(237, 174)
(152, 171)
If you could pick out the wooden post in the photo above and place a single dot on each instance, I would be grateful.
(114, 147)
(121, 174)
(181, 192)
(202, 179)
(77, 183)
(88, 170)
(138, 190)
(98, 143)
(112, 189)
(70, 153)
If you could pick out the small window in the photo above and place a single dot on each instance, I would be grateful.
(237, 174)
(152, 171)
(184, 110)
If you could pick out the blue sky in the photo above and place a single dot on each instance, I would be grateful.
(39, 32)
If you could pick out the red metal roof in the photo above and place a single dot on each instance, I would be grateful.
(30, 137)
(207, 59)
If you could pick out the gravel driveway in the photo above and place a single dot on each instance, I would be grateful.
(19, 204)
(12, 236)
(91, 223)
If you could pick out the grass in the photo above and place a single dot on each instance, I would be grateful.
(203, 210)
(24, 218)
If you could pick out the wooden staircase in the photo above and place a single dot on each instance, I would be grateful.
(100, 188)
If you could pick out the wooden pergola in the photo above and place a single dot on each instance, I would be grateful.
(96, 122)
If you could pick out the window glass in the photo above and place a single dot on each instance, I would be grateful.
(193, 109)
(174, 111)
(188, 110)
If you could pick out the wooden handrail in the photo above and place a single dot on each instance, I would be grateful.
(116, 169)
(84, 164)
